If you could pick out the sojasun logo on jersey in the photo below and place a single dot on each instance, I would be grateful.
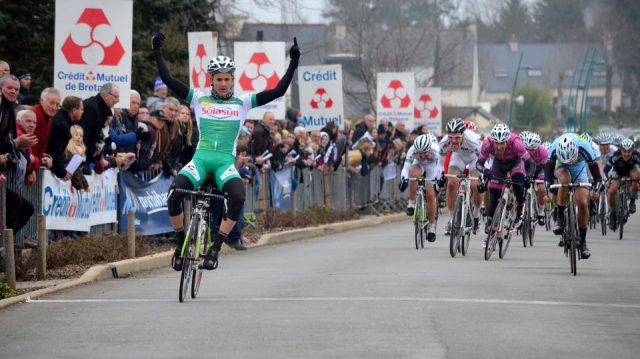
(209, 110)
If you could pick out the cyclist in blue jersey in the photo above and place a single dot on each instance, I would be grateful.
(569, 157)
(220, 116)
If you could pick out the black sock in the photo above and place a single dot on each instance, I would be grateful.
(179, 236)
(217, 244)
(583, 235)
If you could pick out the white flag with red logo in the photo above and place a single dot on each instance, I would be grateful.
(428, 109)
(395, 96)
(93, 47)
(259, 67)
(320, 90)
(202, 47)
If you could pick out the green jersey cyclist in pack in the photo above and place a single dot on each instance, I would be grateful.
(220, 116)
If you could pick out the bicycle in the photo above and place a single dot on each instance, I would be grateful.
(622, 205)
(603, 209)
(570, 234)
(420, 220)
(197, 240)
(501, 231)
(462, 224)
(530, 214)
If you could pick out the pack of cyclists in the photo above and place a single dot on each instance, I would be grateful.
(526, 161)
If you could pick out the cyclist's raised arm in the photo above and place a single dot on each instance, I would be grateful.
(267, 96)
(176, 85)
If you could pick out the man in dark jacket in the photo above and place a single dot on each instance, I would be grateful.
(157, 121)
(364, 126)
(68, 115)
(96, 110)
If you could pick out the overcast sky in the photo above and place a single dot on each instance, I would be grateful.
(309, 10)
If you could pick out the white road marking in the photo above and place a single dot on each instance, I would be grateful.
(350, 299)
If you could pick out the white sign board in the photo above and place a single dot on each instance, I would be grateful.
(260, 66)
(202, 47)
(395, 91)
(320, 90)
(93, 47)
(65, 208)
(428, 109)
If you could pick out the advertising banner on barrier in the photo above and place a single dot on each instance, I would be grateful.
(68, 209)
(148, 200)
(202, 47)
(260, 66)
(395, 91)
(428, 109)
(281, 188)
(320, 90)
(92, 47)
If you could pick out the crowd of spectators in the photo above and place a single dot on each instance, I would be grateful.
(72, 137)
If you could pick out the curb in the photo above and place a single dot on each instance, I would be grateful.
(128, 267)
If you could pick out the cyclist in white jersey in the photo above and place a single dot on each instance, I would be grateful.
(464, 146)
(607, 149)
(220, 117)
(422, 159)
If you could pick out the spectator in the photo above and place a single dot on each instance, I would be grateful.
(169, 132)
(45, 110)
(26, 121)
(147, 148)
(24, 76)
(20, 210)
(126, 121)
(160, 92)
(76, 147)
(261, 138)
(190, 136)
(143, 114)
(364, 126)
(70, 114)
(5, 69)
(96, 111)
(399, 132)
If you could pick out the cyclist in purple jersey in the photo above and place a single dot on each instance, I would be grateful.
(509, 157)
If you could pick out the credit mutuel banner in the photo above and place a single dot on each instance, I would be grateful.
(320, 90)
(93, 47)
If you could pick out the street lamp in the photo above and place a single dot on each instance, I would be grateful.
(515, 82)
(585, 96)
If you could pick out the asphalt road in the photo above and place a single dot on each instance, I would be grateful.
(365, 293)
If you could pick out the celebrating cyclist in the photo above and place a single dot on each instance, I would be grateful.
(539, 154)
(625, 162)
(569, 157)
(422, 160)
(509, 157)
(220, 116)
(464, 147)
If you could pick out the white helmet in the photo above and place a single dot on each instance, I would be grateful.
(220, 64)
(433, 137)
(500, 133)
(604, 138)
(567, 149)
(422, 143)
(626, 144)
(546, 145)
(531, 140)
(587, 137)
(617, 140)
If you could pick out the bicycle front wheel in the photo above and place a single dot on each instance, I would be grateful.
(602, 213)
(186, 272)
(418, 217)
(572, 233)
(456, 229)
(526, 220)
(496, 223)
(622, 201)
(197, 269)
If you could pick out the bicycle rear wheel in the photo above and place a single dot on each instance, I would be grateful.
(496, 222)
(197, 269)
(456, 229)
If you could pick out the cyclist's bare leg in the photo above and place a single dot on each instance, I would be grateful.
(414, 172)
(431, 204)
(541, 194)
(611, 194)
(475, 195)
(177, 221)
(564, 177)
(452, 189)
(581, 199)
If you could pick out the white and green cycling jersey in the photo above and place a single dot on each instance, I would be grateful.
(219, 122)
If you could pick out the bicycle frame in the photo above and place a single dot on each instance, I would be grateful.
(464, 192)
